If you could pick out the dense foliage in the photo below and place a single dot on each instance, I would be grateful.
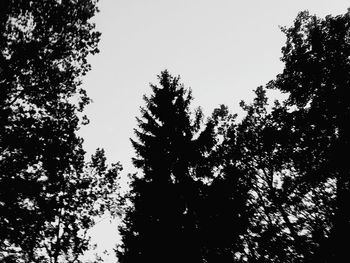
(317, 78)
(162, 224)
(271, 187)
(49, 195)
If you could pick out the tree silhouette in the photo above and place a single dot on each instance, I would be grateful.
(48, 193)
(161, 224)
(290, 215)
(271, 188)
(225, 211)
(316, 78)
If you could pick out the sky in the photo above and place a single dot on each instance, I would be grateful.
(221, 49)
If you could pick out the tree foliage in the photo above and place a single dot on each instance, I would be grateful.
(49, 195)
(162, 223)
(226, 208)
(290, 214)
(189, 203)
(272, 187)
(316, 78)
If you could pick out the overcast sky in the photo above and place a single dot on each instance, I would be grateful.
(222, 49)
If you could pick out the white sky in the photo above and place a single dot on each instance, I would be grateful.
(222, 49)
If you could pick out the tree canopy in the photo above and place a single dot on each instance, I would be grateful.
(271, 187)
(316, 79)
(49, 195)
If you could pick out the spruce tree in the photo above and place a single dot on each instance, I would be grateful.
(161, 224)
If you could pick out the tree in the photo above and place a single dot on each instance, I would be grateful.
(161, 220)
(316, 78)
(43, 176)
(225, 211)
(290, 215)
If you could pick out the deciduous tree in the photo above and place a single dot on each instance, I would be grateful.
(316, 78)
(48, 192)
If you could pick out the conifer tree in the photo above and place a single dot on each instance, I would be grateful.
(161, 225)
